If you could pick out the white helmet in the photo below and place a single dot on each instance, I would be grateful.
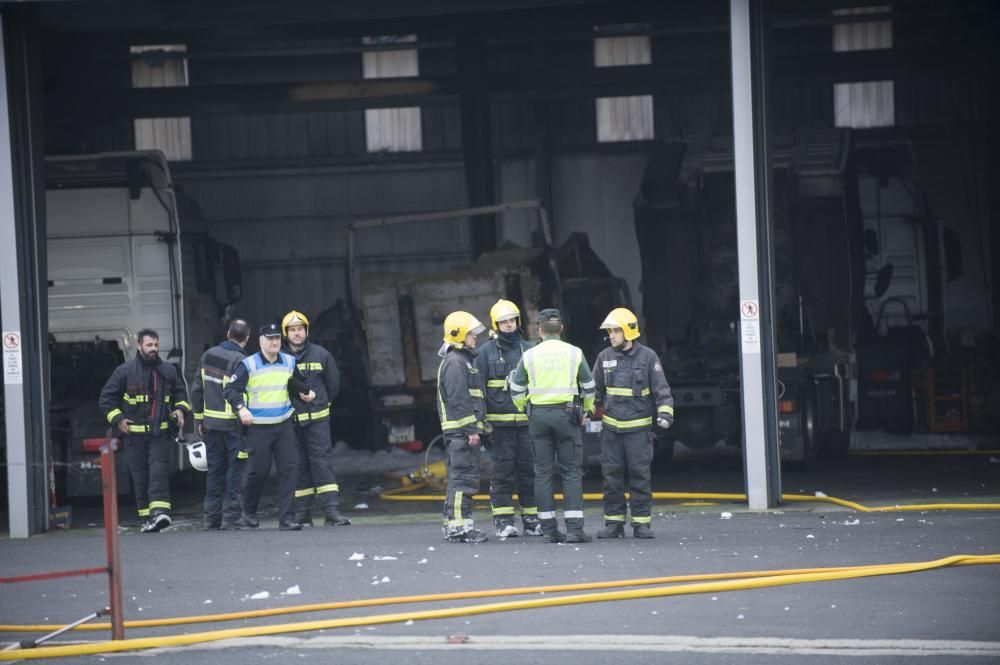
(197, 455)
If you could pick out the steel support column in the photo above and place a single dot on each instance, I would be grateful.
(749, 35)
(22, 277)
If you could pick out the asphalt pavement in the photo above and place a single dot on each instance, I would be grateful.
(396, 549)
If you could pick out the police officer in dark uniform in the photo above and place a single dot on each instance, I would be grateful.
(259, 392)
(510, 446)
(635, 393)
(316, 479)
(140, 398)
(220, 428)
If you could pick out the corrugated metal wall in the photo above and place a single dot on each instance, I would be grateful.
(270, 185)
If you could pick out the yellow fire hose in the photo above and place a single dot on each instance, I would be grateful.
(404, 494)
(817, 575)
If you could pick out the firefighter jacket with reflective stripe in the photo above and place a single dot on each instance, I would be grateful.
(553, 372)
(319, 368)
(460, 393)
(145, 393)
(263, 387)
(216, 366)
(632, 388)
(495, 360)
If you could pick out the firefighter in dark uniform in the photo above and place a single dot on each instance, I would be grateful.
(221, 429)
(139, 399)
(316, 479)
(510, 445)
(463, 422)
(259, 392)
(554, 381)
(635, 394)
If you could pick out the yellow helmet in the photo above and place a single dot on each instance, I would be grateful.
(624, 319)
(294, 318)
(457, 325)
(502, 311)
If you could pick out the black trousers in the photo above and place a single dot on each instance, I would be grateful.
(148, 460)
(263, 443)
(632, 452)
(316, 479)
(513, 471)
(557, 442)
(463, 480)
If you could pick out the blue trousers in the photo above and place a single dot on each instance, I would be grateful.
(225, 475)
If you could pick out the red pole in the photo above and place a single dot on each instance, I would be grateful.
(111, 538)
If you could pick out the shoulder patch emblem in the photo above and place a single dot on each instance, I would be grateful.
(657, 367)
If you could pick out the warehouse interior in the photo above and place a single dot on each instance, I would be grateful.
(336, 154)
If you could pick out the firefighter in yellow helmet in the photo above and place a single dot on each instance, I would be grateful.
(463, 423)
(510, 445)
(316, 481)
(635, 394)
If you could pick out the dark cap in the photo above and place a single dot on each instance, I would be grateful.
(270, 330)
(549, 315)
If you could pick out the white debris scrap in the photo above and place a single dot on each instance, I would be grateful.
(260, 595)
(384, 558)
(726, 516)
(207, 602)
(357, 556)
(293, 591)
(422, 561)
(853, 522)
(820, 494)
(361, 506)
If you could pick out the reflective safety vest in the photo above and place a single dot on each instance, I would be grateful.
(552, 368)
(267, 388)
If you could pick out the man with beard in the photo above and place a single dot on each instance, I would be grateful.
(139, 399)
(316, 480)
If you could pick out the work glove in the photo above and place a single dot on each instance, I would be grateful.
(663, 422)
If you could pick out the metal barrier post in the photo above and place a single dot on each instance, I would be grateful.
(111, 538)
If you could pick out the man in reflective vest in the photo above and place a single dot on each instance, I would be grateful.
(259, 393)
(140, 399)
(553, 379)
(463, 423)
(220, 428)
(634, 393)
(312, 424)
(510, 445)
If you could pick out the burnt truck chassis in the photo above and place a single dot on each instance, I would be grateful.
(686, 227)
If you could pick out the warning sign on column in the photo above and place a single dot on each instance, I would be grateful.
(750, 326)
(12, 372)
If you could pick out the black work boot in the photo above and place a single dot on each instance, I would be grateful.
(251, 520)
(577, 535)
(213, 515)
(552, 533)
(642, 531)
(532, 526)
(505, 528)
(335, 518)
(304, 519)
(612, 530)
(466, 535)
(289, 526)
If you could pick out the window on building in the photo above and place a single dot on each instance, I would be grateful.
(160, 66)
(864, 103)
(623, 118)
(396, 129)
